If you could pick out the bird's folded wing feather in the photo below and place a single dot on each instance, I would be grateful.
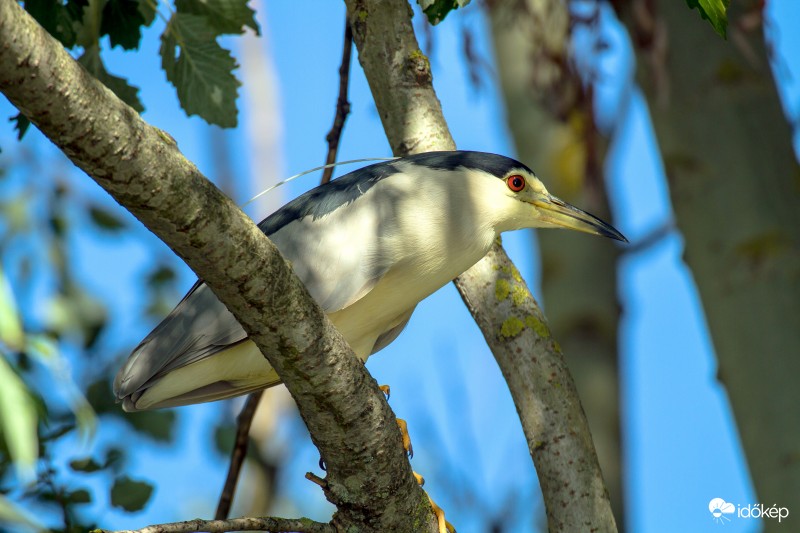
(199, 326)
(337, 245)
(335, 265)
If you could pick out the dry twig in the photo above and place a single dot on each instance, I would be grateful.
(239, 452)
(342, 105)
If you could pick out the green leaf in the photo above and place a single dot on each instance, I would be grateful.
(160, 276)
(18, 419)
(45, 351)
(86, 465)
(122, 22)
(715, 12)
(21, 125)
(158, 425)
(100, 396)
(14, 211)
(79, 496)
(129, 494)
(59, 20)
(437, 10)
(91, 17)
(115, 457)
(58, 224)
(148, 10)
(11, 333)
(127, 93)
(200, 70)
(224, 16)
(105, 219)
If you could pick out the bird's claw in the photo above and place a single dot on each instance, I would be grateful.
(406, 439)
(387, 391)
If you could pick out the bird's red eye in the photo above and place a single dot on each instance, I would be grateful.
(515, 182)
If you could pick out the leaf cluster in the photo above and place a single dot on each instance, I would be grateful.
(199, 68)
(714, 11)
(437, 10)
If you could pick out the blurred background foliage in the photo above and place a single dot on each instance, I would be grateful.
(54, 328)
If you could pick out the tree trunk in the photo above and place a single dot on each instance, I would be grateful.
(733, 179)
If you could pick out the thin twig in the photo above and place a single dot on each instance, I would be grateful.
(342, 105)
(264, 523)
(316, 479)
(238, 454)
(651, 238)
(57, 492)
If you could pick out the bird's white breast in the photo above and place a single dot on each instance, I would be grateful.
(429, 237)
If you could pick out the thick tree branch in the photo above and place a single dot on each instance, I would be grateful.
(270, 524)
(554, 423)
(369, 478)
(550, 114)
(544, 393)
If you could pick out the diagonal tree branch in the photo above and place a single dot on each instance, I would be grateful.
(551, 117)
(369, 478)
(555, 426)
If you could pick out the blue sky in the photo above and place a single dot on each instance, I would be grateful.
(682, 448)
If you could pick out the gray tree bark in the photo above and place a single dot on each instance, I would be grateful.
(733, 179)
(515, 329)
(549, 113)
(369, 478)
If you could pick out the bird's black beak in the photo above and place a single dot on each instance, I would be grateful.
(558, 213)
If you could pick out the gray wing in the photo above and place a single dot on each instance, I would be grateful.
(199, 326)
(338, 260)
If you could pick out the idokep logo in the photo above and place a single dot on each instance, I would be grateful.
(719, 508)
(722, 511)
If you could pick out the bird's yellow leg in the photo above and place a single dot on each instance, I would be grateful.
(406, 439)
(444, 525)
(401, 424)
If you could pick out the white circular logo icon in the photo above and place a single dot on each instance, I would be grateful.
(719, 508)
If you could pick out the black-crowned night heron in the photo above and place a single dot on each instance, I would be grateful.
(369, 247)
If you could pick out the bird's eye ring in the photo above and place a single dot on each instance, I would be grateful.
(515, 182)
